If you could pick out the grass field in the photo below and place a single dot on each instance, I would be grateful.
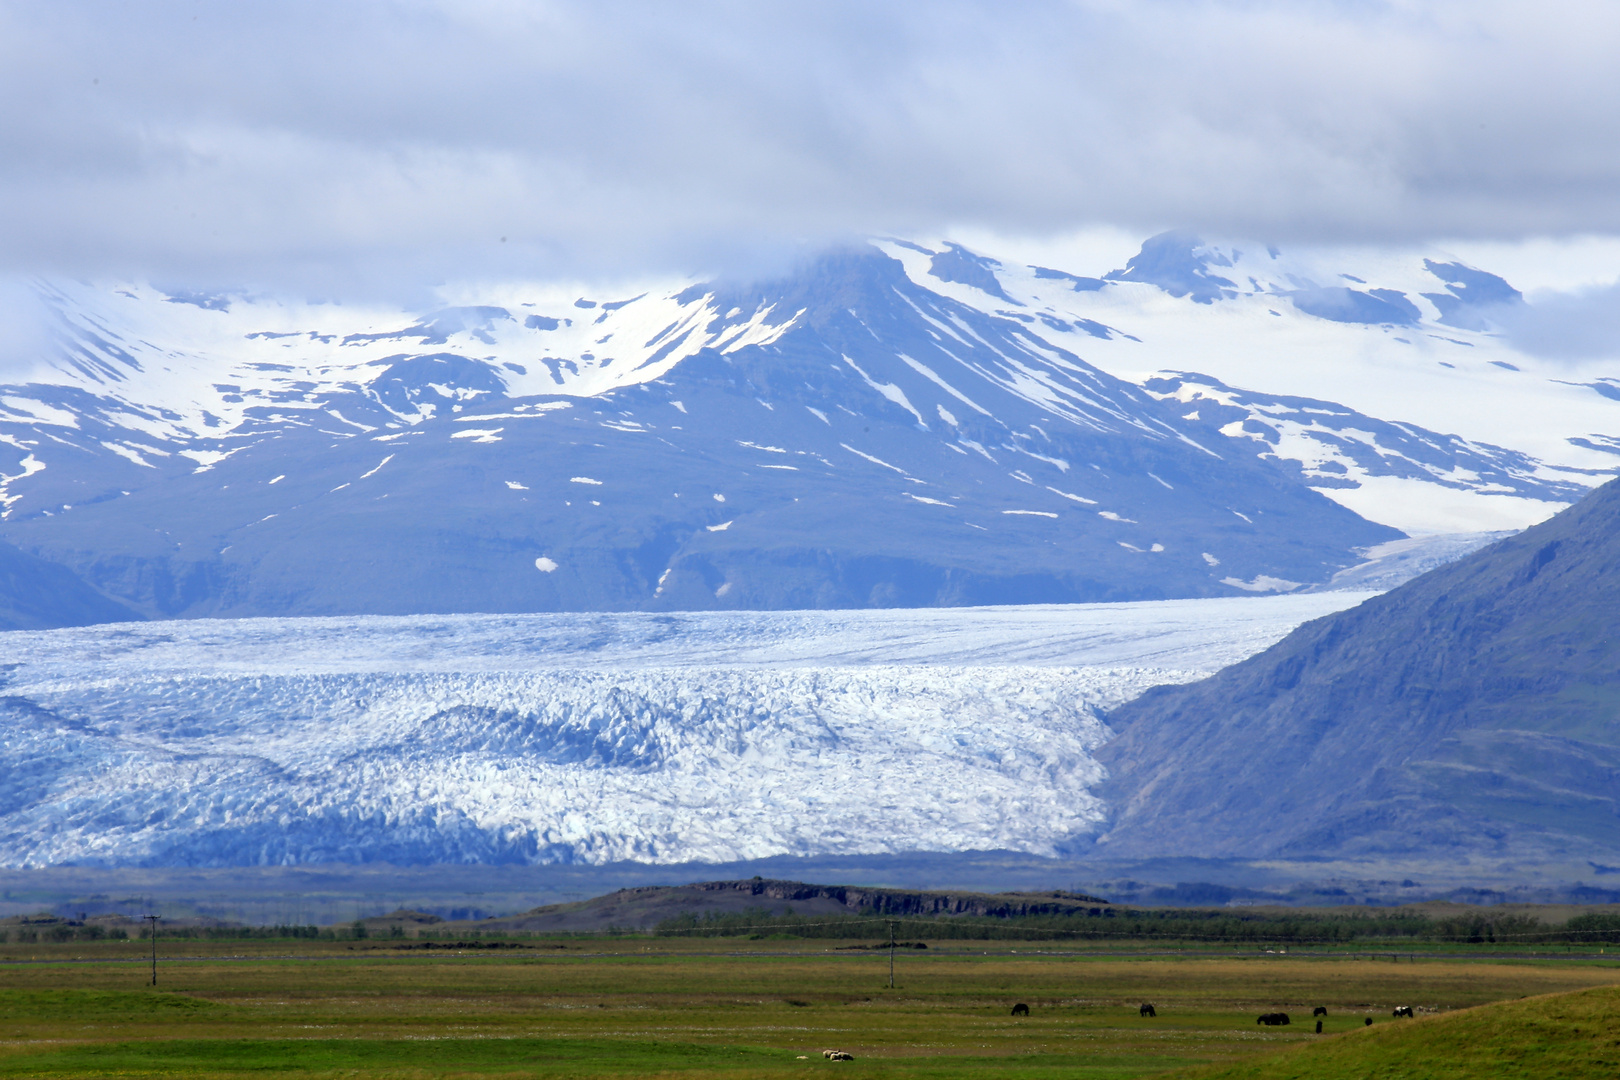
(735, 1008)
(1558, 1037)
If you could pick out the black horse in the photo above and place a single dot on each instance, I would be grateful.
(1147, 1009)
(1320, 1010)
(1020, 1009)
(1273, 1019)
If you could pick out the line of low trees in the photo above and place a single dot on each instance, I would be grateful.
(1169, 925)
(243, 933)
(1599, 926)
(1236, 927)
(68, 930)
(64, 931)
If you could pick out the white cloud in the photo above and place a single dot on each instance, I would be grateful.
(328, 143)
(1576, 325)
(23, 334)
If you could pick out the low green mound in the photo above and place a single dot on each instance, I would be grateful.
(1544, 1038)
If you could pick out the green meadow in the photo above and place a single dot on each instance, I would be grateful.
(656, 1006)
(1569, 1036)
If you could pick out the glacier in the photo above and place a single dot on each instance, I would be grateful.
(587, 738)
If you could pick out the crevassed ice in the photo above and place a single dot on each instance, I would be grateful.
(586, 738)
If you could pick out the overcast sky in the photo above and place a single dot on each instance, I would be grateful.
(309, 143)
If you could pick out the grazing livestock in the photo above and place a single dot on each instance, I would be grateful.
(1320, 1010)
(1147, 1009)
(1273, 1019)
(1404, 1010)
(1319, 1027)
(837, 1055)
(1369, 1021)
(1020, 1009)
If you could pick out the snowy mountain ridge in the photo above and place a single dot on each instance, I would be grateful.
(1428, 392)
(899, 424)
(193, 368)
(172, 348)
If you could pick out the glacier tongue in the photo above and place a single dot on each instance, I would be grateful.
(586, 739)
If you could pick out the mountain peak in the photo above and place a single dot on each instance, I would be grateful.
(1179, 263)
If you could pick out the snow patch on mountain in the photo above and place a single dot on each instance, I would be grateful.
(1419, 481)
(188, 370)
(1410, 340)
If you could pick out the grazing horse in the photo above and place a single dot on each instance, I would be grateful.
(1320, 1010)
(1273, 1019)
(1020, 1009)
(1404, 1010)
(1147, 1009)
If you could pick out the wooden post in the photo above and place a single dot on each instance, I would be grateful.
(153, 919)
(891, 956)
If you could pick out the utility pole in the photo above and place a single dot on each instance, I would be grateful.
(891, 955)
(153, 919)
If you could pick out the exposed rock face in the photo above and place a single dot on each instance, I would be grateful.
(649, 905)
(874, 901)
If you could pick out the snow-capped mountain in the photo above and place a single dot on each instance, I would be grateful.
(586, 738)
(1382, 376)
(903, 424)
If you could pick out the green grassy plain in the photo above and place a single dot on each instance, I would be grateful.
(730, 1008)
(1558, 1037)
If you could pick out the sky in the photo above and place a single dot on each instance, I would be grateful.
(364, 144)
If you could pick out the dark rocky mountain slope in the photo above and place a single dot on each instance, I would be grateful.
(36, 594)
(1473, 711)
